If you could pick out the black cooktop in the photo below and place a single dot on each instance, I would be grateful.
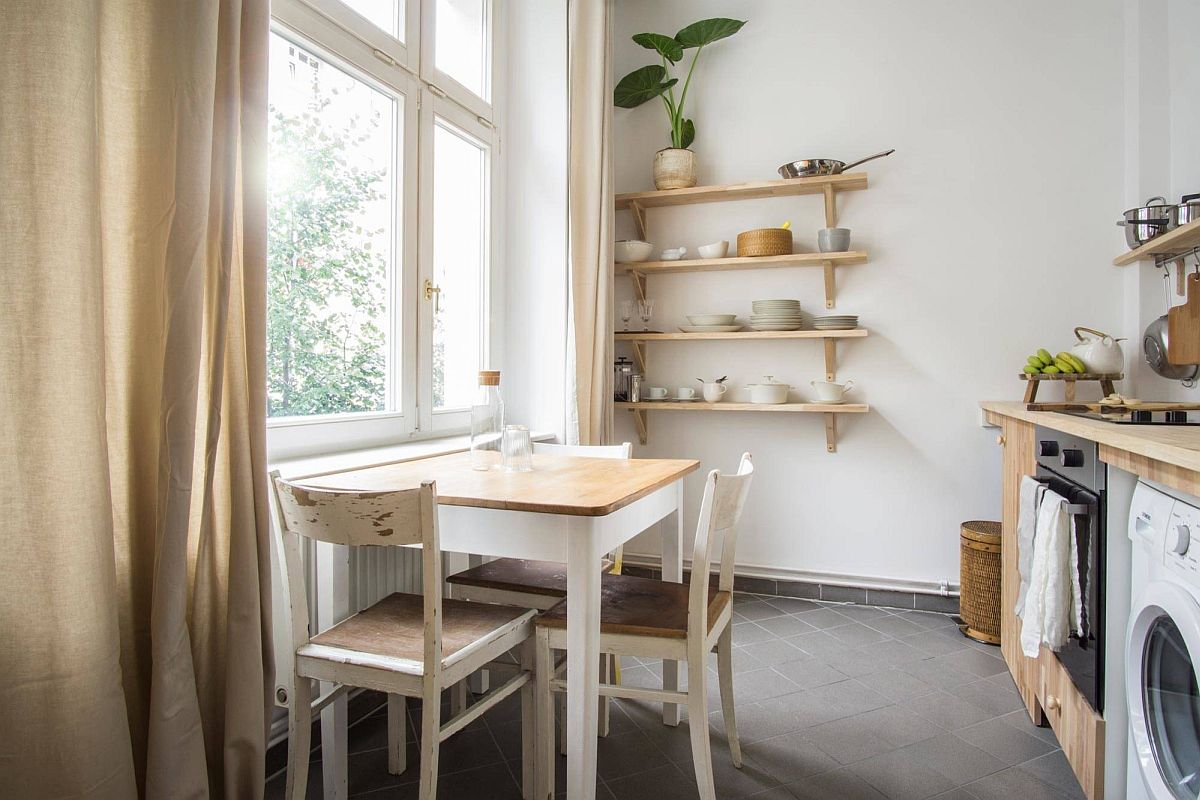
(1124, 416)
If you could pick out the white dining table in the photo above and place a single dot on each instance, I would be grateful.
(567, 509)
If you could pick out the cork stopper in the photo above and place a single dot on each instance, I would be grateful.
(489, 377)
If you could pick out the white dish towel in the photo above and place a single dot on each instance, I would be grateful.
(1053, 605)
(1031, 500)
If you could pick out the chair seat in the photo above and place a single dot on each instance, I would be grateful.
(642, 607)
(391, 632)
(543, 578)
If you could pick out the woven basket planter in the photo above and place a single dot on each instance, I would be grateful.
(979, 596)
(764, 242)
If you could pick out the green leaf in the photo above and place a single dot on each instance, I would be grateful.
(707, 31)
(641, 85)
(667, 47)
(688, 133)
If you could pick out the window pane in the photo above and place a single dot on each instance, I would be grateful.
(459, 262)
(460, 48)
(387, 15)
(330, 238)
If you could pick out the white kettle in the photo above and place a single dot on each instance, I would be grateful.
(1099, 352)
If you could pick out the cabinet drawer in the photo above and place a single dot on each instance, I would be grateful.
(1079, 729)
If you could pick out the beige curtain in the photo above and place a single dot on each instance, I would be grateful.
(135, 656)
(590, 200)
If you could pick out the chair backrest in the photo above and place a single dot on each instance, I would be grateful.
(720, 510)
(585, 450)
(359, 519)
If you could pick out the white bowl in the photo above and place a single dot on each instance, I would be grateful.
(711, 319)
(714, 250)
(628, 250)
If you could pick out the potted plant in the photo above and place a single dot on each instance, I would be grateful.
(675, 166)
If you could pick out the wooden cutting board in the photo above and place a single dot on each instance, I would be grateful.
(1096, 407)
(1183, 327)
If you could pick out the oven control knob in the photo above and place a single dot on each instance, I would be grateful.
(1048, 449)
(1071, 458)
(1179, 538)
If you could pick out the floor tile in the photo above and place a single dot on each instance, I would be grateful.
(775, 652)
(946, 710)
(991, 698)
(862, 613)
(756, 610)
(975, 663)
(763, 721)
(749, 633)
(622, 754)
(856, 635)
(938, 672)
(958, 761)
(820, 644)
(902, 775)
(894, 625)
(667, 782)
(824, 617)
(763, 684)
(808, 674)
(1053, 770)
(826, 703)
(791, 605)
(1003, 741)
(790, 757)
(788, 625)
(1020, 720)
(934, 643)
(842, 784)
(1010, 783)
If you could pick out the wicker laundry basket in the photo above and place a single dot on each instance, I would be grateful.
(979, 596)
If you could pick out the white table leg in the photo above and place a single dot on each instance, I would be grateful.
(583, 658)
(671, 530)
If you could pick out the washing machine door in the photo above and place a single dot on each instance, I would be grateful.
(1162, 650)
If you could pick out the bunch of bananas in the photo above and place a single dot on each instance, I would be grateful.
(1042, 363)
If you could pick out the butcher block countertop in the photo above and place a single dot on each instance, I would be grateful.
(1144, 449)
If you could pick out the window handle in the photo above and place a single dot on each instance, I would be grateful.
(433, 293)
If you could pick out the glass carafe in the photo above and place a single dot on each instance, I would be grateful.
(487, 422)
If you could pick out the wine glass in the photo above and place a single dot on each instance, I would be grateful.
(626, 312)
(645, 310)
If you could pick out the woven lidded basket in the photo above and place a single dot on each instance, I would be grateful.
(979, 596)
(765, 242)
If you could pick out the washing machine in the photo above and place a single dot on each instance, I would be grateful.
(1162, 646)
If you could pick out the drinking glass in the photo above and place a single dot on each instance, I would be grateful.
(645, 310)
(626, 312)
(516, 449)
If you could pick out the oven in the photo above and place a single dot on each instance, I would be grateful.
(1071, 467)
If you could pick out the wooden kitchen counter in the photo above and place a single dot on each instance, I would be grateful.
(1169, 454)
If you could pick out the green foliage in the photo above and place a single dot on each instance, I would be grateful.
(327, 281)
(652, 81)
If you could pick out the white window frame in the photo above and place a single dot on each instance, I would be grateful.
(337, 33)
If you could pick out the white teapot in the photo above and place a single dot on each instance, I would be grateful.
(1099, 352)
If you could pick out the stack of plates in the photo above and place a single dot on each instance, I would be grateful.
(776, 315)
(836, 322)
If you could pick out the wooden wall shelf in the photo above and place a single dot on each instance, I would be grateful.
(1181, 240)
(755, 190)
(829, 410)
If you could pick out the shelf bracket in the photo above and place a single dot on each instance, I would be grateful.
(830, 433)
(830, 284)
(639, 356)
(639, 419)
(830, 207)
(830, 360)
(639, 283)
(639, 219)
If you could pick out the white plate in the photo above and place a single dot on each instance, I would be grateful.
(776, 327)
(776, 316)
(711, 319)
(710, 328)
(780, 302)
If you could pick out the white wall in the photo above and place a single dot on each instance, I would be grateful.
(535, 241)
(990, 231)
(1162, 123)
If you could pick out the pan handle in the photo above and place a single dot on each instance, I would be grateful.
(868, 158)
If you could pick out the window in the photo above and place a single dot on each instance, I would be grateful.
(380, 239)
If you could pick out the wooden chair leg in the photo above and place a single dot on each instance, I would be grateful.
(562, 730)
(606, 676)
(397, 716)
(725, 679)
(458, 698)
(544, 702)
(697, 694)
(431, 726)
(299, 738)
(528, 721)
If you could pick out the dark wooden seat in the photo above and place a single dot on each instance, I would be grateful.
(394, 628)
(642, 607)
(525, 576)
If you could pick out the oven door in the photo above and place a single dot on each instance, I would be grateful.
(1160, 681)
(1083, 657)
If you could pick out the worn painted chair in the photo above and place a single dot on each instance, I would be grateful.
(405, 645)
(658, 619)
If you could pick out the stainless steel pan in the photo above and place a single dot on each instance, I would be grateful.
(808, 167)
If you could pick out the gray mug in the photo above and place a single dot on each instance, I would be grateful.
(833, 240)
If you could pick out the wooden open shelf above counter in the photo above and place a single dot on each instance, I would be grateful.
(828, 409)
(755, 190)
(1183, 239)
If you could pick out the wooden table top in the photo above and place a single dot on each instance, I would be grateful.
(570, 485)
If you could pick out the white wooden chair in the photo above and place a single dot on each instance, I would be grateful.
(658, 619)
(537, 584)
(406, 645)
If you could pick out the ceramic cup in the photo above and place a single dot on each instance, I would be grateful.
(833, 240)
(685, 393)
(657, 392)
(713, 392)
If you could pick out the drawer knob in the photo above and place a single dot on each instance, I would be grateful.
(1000, 440)
(1052, 703)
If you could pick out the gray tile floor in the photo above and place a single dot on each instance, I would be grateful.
(834, 701)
